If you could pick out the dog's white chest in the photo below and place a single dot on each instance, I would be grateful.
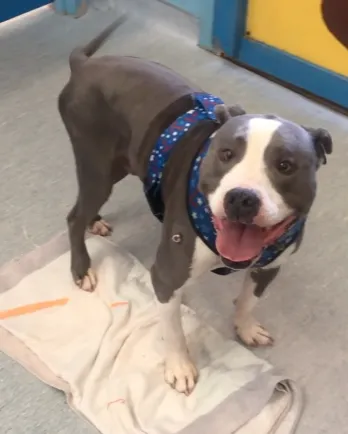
(203, 259)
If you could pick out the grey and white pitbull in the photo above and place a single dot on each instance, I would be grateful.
(257, 176)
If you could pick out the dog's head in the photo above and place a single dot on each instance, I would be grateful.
(258, 175)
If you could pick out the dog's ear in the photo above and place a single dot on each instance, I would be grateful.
(322, 143)
(223, 112)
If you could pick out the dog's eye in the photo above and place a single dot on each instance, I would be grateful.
(226, 155)
(286, 167)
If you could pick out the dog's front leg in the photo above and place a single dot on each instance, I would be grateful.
(179, 371)
(169, 275)
(248, 329)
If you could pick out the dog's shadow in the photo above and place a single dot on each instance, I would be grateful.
(136, 231)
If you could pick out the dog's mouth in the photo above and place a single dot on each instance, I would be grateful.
(241, 242)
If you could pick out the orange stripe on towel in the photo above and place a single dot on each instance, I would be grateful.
(31, 308)
(34, 307)
(118, 303)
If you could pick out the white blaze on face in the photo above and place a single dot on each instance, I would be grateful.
(251, 173)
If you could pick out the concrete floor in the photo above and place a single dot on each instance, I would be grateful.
(307, 306)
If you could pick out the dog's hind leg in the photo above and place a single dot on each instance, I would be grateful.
(95, 181)
(94, 190)
(98, 148)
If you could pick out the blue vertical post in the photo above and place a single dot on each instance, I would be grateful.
(75, 8)
(206, 23)
(229, 26)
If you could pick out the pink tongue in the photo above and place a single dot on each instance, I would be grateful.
(238, 242)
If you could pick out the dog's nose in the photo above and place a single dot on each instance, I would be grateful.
(242, 204)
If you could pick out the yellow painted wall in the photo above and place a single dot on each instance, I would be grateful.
(296, 26)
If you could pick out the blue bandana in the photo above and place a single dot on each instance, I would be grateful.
(197, 205)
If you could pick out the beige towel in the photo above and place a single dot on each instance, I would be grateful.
(103, 350)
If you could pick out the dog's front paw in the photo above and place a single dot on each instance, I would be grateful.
(180, 373)
(100, 227)
(87, 282)
(252, 333)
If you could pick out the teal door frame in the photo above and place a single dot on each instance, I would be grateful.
(222, 25)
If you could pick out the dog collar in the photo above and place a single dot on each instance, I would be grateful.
(204, 105)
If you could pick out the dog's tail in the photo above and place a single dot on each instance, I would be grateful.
(80, 54)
